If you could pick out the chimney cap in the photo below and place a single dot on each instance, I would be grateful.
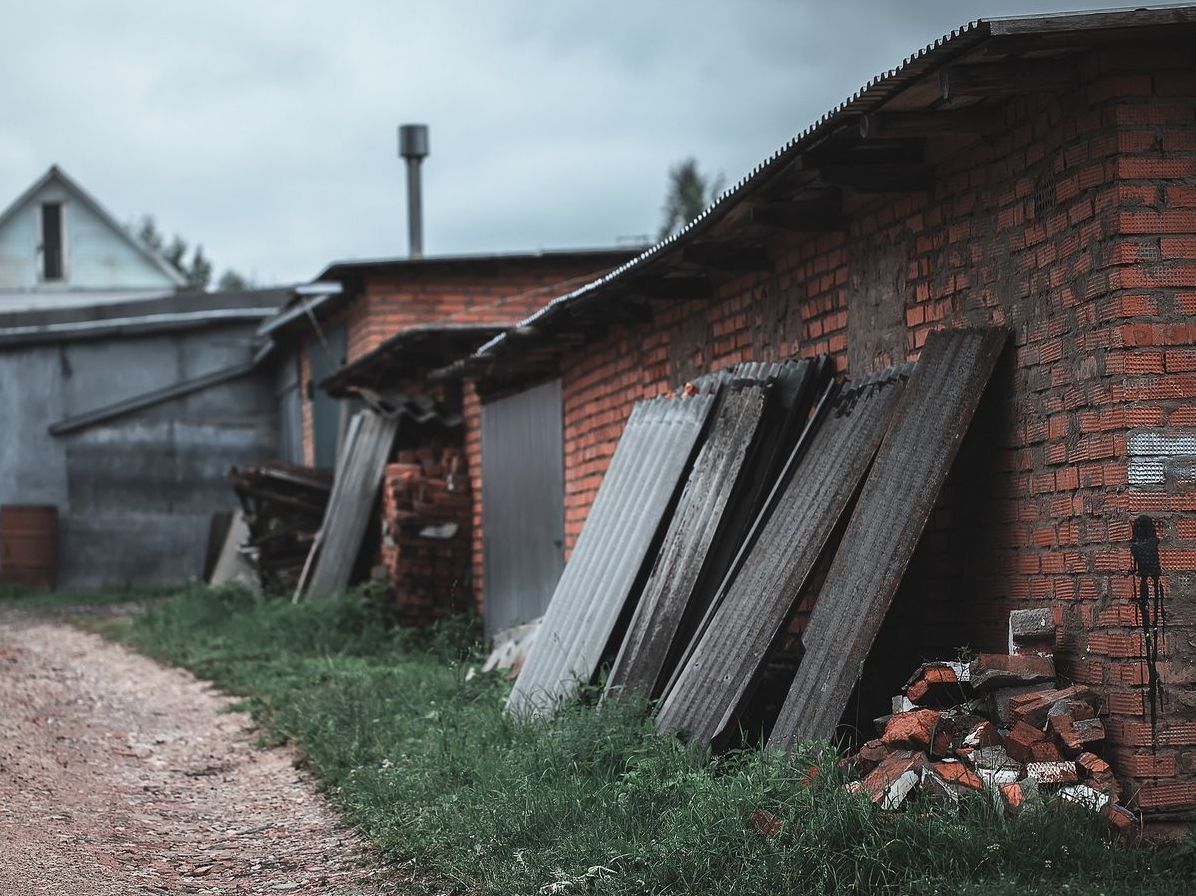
(413, 141)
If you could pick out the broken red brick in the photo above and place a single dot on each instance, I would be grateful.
(1121, 820)
(1031, 631)
(1046, 751)
(1019, 743)
(937, 684)
(1052, 772)
(1074, 723)
(958, 774)
(982, 734)
(1012, 796)
(810, 776)
(766, 823)
(1098, 774)
(999, 670)
(1033, 707)
(893, 780)
(912, 730)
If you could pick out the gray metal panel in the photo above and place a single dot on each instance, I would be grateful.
(928, 425)
(642, 658)
(354, 494)
(523, 504)
(758, 597)
(324, 359)
(651, 458)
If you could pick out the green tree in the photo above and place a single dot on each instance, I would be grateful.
(196, 269)
(690, 192)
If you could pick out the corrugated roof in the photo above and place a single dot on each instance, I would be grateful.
(879, 90)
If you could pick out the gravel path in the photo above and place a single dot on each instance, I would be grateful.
(120, 776)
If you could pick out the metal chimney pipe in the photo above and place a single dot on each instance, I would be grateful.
(413, 146)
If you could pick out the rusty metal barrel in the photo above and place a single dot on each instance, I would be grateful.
(29, 545)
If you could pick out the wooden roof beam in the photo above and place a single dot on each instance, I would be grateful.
(686, 286)
(1012, 78)
(814, 216)
(878, 178)
(725, 257)
(971, 122)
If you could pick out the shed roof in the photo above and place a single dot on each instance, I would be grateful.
(875, 141)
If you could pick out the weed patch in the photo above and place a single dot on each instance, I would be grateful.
(412, 742)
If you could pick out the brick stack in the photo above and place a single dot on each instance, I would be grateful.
(1000, 725)
(426, 530)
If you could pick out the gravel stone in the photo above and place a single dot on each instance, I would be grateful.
(122, 776)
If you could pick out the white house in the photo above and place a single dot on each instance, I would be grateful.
(59, 247)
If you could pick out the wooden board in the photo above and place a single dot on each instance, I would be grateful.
(896, 501)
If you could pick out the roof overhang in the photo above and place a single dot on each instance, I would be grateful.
(408, 353)
(883, 139)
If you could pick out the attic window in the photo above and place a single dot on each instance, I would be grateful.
(52, 260)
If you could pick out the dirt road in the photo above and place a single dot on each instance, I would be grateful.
(118, 776)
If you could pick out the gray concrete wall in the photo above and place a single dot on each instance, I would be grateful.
(135, 493)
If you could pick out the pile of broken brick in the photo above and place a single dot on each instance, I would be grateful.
(999, 726)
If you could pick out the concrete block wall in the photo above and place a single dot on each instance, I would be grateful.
(1075, 225)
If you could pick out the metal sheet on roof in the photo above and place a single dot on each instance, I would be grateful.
(691, 532)
(648, 466)
(928, 425)
(757, 599)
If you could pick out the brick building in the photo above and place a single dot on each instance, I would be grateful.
(368, 332)
(1037, 173)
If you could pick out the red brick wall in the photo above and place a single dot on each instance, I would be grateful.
(1076, 226)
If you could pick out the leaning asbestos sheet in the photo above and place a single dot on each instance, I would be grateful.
(753, 604)
(354, 494)
(637, 492)
(896, 501)
(691, 533)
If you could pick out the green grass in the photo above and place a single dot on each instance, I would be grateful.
(417, 751)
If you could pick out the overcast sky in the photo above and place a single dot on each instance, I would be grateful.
(266, 130)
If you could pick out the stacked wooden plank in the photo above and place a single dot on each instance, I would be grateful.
(283, 506)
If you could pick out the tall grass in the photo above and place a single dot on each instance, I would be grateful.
(412, 742)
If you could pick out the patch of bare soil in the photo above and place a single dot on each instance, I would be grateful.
(119, 775)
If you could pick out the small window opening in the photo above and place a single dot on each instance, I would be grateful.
(52, 261)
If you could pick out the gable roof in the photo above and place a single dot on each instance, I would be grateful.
(56, 174)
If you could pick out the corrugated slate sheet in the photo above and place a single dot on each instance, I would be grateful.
(354, 494)
(729, 479)
(894, 505)
(692, 530)
(636, 494)
(755, 602)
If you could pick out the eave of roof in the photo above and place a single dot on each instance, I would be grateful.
(408, 352)
(180, 311)
(505, 355)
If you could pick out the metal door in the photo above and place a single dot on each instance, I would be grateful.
(523, 504)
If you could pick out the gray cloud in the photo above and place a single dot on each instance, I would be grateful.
(266, 130)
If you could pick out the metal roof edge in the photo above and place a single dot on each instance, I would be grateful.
(962, 39)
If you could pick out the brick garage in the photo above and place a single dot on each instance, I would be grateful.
(1052, 191)
(399, 319)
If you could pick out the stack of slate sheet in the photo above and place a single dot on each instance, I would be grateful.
(636, 494)
(670, 511)
(761, 409)
(717, 511)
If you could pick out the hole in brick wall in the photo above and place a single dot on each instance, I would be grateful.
(1045, 198)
